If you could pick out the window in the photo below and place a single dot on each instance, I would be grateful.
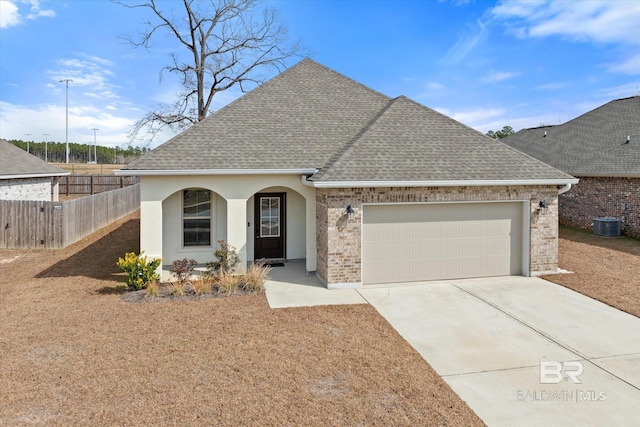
(269, 217)
(196, 218)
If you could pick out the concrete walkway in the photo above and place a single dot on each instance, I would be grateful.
(291, 286)
(488, 337)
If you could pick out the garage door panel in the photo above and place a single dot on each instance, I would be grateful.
(441, 241)
(432, 248)
(437, 269)
(437, 230)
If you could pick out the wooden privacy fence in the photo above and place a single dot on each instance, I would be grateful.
(52, 225)
(94, 184)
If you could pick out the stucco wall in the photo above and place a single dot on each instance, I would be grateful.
(26, 189)
(595, 197)
(339, 241)
(172, 248)
(160, 214)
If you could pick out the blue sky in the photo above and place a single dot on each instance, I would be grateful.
(486, 64)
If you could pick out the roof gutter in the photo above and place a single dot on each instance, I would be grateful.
(193, 172)
(444, 183)
(31, 175)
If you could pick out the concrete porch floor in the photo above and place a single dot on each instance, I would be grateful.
(291, 286)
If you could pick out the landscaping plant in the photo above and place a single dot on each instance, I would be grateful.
(182, 270)
(226, 283)
(227, 259)
(140, 271)
(253, 279)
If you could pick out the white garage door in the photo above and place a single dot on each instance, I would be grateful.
(416, 242)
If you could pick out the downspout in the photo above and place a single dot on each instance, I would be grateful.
(305, 181)
(563, 188)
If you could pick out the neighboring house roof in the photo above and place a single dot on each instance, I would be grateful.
(310, 118)
(17, 163)
(594, 144)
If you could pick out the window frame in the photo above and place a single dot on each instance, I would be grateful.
(199, 217)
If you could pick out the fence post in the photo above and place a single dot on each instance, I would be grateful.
(92, 185)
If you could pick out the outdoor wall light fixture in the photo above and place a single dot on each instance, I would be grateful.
(350, 213)
(542, 207)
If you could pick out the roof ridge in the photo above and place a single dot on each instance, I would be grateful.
(338, 155)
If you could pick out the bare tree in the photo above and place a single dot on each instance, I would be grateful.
(223, 43)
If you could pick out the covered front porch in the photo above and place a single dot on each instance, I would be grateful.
(243, 210)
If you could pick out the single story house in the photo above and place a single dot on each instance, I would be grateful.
(24, 176)
(602, 148)
(365, 188)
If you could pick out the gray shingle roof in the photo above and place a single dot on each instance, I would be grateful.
(296, 120)
(593, 144)
(310, 117)
(14, 161)
(410, 142)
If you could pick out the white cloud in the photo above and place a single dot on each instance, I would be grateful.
(10, 12)
(472, 117)
(498, 76)
(94, 75)
(10, 15)
(622, 91)
(466, 42)
(609, 22)
(16, 120)
(600, 21)
(629, 65)
(552, 86)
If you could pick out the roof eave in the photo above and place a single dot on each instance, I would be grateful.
(442, 183)
(607, 175)
(35, 175)
(193, 172)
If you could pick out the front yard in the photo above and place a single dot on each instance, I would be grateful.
(74, 353)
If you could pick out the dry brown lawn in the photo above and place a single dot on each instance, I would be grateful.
(73, 352)
(606, 269)
(85, 169)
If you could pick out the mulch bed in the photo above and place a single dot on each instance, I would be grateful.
(74, 353)
(166, 293)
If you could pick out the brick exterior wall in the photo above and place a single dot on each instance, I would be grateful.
(38, 189)
(595, 197)
(339, 241)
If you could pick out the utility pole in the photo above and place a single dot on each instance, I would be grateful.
(95, 150)
(27, 135)
(66, 81)
(46, 152)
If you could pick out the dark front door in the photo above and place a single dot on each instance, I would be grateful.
(269, 226)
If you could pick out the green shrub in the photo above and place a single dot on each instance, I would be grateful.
(227, 259)
(140, 272)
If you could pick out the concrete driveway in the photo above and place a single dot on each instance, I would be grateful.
(488, 339)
